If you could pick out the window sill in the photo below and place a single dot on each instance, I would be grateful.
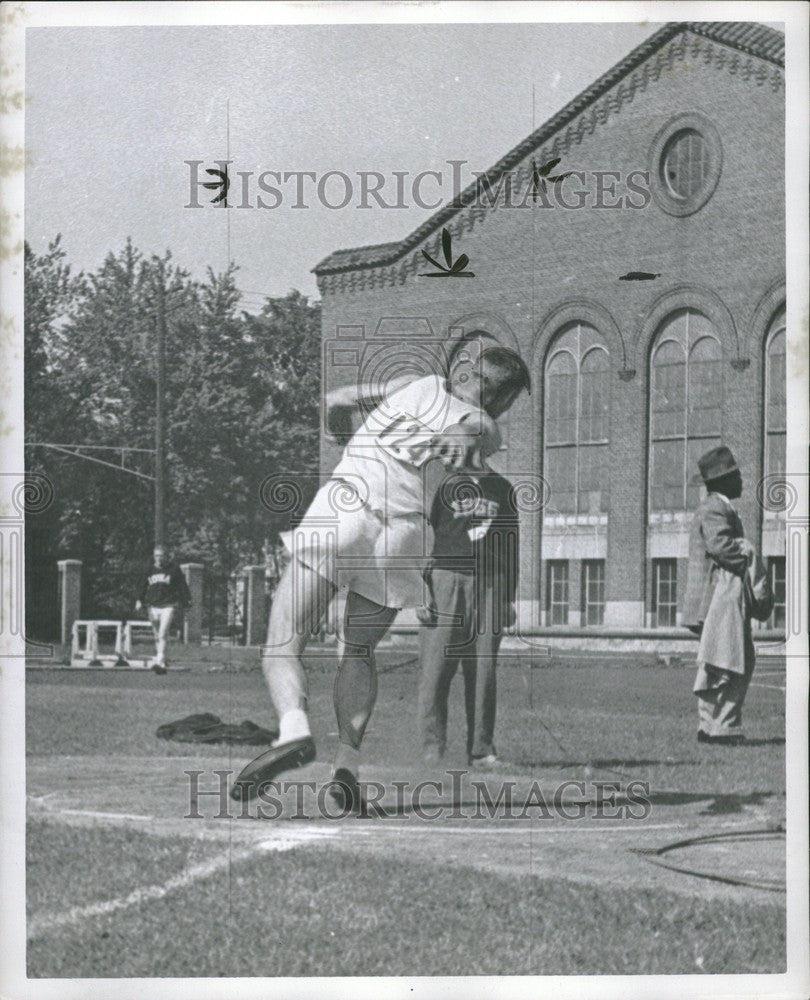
(566, 520)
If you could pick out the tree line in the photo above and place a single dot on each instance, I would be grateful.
(242, 402)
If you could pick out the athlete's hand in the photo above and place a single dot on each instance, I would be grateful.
(463, 445)
(340, 419)
(425, 614)
(454, 447)
(509, 616)
(138, 606)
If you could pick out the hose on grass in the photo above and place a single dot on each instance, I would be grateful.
(655, 855)
(590, 765)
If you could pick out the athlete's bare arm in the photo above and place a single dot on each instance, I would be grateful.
(459, 446)
(366, 393)
(343, 404)
(467, 443)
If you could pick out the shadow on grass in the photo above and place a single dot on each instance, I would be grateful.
(718, 805)
(548, 805)
(598, 762)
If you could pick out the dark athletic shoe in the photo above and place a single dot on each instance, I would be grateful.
(344, 789)
(276, 760)
(159, 668)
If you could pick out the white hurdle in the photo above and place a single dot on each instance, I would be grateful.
(87, 654)
(135, 626)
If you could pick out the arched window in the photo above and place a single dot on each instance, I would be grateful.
(775, 396)
(576, 422)
(686, 404)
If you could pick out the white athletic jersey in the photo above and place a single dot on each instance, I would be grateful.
(391, 451)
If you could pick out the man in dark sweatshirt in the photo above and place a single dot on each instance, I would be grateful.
(471, 581)
(164, 590)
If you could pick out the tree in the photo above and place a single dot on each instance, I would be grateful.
(242, 398)
(51, 294)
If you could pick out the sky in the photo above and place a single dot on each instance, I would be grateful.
(112, 113)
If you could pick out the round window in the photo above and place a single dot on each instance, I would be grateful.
(685, 164)
(686, 157)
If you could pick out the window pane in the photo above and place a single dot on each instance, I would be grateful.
(561, 478)
(589, 337)
(666, 480)
(674, 328)
(685, 163)
(557, 592)
(593, 591)
(577, 410)
(684, 403)
(776, 399)
(777, 388)
(595, 394)
(699, 326)
(695, 448)
(594, 475)
(776, 567)
(705, 387)
(664, 593)
(568, 340)
(562, 363)
(776, 454)
(561, 399)
(668, 390)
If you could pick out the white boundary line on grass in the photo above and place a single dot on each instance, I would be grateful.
(290, 840)
(100, 815)
(287, 839)
(47, 922)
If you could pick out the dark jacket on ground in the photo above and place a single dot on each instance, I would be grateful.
(165, 587)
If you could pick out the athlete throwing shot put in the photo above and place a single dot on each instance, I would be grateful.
(366, 533)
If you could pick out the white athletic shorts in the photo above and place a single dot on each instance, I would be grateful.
(359, 549)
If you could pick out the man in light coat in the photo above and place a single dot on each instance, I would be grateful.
(716, 606)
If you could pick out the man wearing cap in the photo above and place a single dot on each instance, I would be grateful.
(726, 652)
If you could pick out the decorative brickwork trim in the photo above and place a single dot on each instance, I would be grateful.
(686, 297)
(761, 318)
(583, 311)
(616, 89)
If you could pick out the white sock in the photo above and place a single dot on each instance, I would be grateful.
(293, 725)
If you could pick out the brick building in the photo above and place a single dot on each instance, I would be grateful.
(632, 379)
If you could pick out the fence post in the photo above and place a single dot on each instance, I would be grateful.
(192, 622)
(70, 595)
(255, 606)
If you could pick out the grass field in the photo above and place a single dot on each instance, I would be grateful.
(119, 884)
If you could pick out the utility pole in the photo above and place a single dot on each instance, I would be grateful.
(160, 416)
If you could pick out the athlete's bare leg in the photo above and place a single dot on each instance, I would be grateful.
(299, 606)
(364, 625)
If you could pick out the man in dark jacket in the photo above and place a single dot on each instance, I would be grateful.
(471, 580)
(164, 590)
